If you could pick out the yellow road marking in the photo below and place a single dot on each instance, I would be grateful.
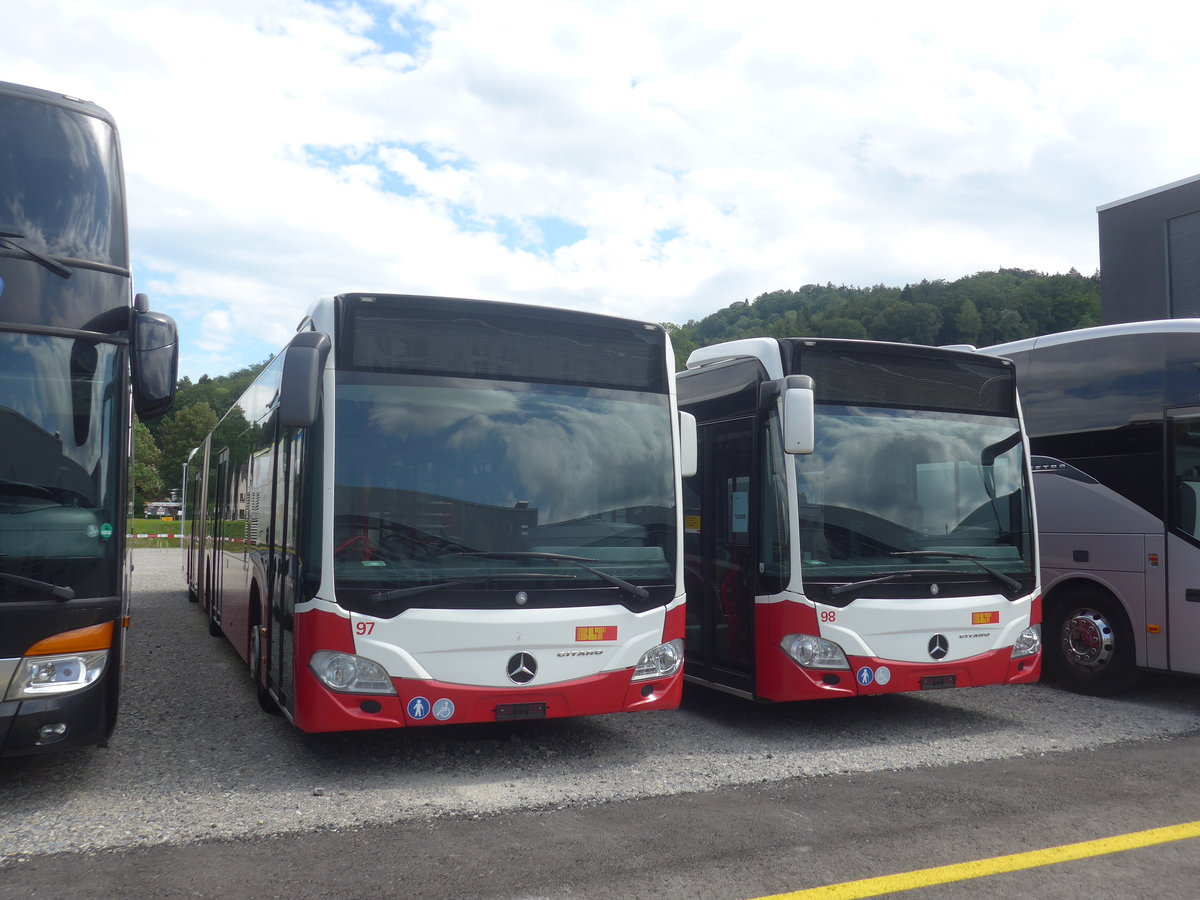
(981, 868)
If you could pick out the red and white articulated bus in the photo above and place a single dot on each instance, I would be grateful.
(433, 510)
(860, 523)
(79, 355)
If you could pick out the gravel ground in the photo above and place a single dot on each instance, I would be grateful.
(194, 758)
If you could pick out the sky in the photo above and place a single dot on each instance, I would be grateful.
(657, 160)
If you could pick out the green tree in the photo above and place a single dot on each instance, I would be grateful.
(1010, 326)
(968, 322)
(144, 479)
(182, 434)
(841, 328)
(916, 323)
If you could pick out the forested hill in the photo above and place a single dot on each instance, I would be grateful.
(981, 309)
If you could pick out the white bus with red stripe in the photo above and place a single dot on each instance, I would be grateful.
(860, 523)
(433, 510)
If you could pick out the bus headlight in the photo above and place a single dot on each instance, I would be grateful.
(814, 653)
(1029, 642)
(350, 674)
(42, 676)
(662, 661)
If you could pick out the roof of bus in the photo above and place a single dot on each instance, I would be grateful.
(324, 306)
(66, 101)
(1154, 326)
(771, 351)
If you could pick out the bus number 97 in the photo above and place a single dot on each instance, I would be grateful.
(364, 627)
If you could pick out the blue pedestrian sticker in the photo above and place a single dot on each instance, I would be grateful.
(865, 677)
(443, 709)
(418, 708)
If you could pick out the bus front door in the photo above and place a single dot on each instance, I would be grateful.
(1183, 540)
(718, 546)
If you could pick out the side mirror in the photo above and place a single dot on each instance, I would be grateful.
(300, 388)
(153, 360)
(688, 445)
(799, 416)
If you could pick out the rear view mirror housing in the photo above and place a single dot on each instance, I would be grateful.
(689, 456)
(797, 411)
(300, 387)
(153, 360)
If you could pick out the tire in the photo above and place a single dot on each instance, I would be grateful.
(265, 701)
(209, 609)
(1088, 644)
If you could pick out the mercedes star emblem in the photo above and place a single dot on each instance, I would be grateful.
(523, 667)
(938, 647)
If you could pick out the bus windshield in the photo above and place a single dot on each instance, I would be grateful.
(892, 490)
(59, 500)
(442, 481)
(61, 184)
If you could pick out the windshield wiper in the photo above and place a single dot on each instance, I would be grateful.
(891, 576)
(6, 238)
(402, 593)
(56, 590)
(579, 561)
(1011, 583)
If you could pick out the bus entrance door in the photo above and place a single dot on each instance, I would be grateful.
(718, 544)
(1183, 561)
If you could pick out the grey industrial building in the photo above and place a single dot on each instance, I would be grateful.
(1150, 254)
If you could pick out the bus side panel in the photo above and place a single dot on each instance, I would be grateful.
(1183, 630)
(1115, 563)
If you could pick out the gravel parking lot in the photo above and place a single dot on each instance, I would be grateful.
(194, 758)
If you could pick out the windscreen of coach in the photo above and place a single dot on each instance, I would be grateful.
(59, 464)
(61, 183)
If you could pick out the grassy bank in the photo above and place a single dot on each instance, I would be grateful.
(154, 527)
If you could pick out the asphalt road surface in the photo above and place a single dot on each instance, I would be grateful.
(200, 794)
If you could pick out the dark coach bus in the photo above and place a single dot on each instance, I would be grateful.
(78, 354)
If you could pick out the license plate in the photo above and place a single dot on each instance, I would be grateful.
(937, 682)
(510, 711)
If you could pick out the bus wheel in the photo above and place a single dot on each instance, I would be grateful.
(214, 626)
(265, 701)
(1089, 644)
(209, 606)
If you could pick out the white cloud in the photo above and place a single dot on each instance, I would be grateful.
(280, 150)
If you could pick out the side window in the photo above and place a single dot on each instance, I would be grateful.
(1093, 386)
(1185, 469)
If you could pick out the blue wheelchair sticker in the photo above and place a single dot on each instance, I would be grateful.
(443, 709)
